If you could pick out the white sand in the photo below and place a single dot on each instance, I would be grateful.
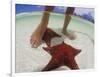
(30, 59)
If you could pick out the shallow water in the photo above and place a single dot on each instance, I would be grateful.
(30, 59)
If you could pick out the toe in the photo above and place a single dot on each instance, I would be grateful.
(35, 44)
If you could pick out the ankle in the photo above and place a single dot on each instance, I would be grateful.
(64, 30)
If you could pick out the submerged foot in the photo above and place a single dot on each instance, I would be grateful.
(36, 36)
(69, 34)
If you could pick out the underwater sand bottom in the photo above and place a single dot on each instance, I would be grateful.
(31, 60)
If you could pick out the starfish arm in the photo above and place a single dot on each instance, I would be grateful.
(71, 64)
(77, 52)
(52, 33)
(53, 64)
(74, 65)
(48, 50)
(56, 35)
(48, 42)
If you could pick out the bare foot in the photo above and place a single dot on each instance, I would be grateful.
(69, 34)
(37, 35)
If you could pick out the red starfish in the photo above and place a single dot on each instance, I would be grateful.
(48, 35)
(62, 54)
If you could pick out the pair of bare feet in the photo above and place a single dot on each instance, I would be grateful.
(37, 35)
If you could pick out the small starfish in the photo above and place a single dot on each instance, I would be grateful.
(62, 54)
(48, 35)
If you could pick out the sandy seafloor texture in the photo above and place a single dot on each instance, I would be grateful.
(30, 59)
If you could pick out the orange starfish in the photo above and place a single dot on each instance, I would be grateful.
(48, 35)
(62, 54)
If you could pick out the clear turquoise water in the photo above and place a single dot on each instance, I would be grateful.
(56, 21)
(29, 59)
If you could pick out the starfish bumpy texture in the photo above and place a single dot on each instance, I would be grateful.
(62, 54)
